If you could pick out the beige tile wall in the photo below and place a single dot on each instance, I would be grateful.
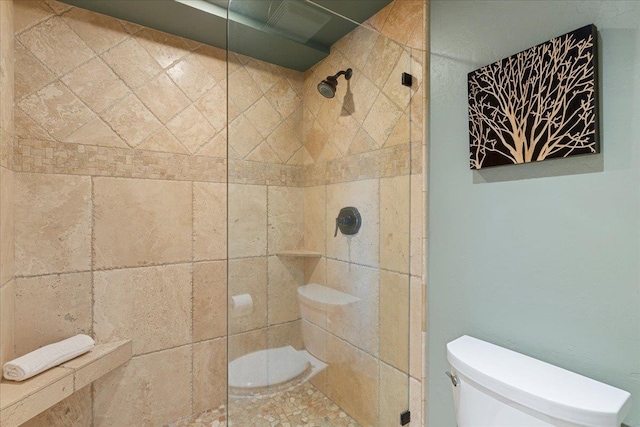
(64, 309)
(147, 391)
(381, 332)
(7, 61)
(121, 205)
(123, 177)
(74, 411)
(263, 221)
(122, 166)
(53, 227)
(7, 184)
(370, 111)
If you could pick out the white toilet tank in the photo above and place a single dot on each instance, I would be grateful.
(497, 387)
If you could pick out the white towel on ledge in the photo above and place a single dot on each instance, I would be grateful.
(47, 357)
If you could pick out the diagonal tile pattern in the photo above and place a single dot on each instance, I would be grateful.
(99, 32)
(265, 102)
(191, 76)
(123, 85)
(48, 39)
(56, 109)
(191, 128)
(213, 106)
(96, 132)
(370, 111)
(165, 48)
(96, 85)
(172, 101)
(131, 120)
(35, 75)
(27, 14)
(132, 63)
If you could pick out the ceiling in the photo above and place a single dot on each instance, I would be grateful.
(292, 33)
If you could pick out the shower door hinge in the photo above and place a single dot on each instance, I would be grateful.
(407, 79)
(405, 418)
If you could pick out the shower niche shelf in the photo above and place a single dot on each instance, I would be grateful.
(303, 253)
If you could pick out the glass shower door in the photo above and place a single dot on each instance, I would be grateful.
(318, 315)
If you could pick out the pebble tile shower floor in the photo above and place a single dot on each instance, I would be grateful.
(301, 406)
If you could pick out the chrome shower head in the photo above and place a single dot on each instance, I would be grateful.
(327, 87)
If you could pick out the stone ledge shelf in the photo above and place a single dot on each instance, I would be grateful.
(21, 401)
(304, 253)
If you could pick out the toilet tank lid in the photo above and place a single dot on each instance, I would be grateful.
(537, 385)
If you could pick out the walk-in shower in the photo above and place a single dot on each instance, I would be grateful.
(250, 236)
(327, 337)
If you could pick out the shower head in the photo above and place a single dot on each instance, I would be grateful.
(327, 87)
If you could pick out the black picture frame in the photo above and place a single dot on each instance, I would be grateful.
(538, 104)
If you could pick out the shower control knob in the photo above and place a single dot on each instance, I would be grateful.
(348, 221)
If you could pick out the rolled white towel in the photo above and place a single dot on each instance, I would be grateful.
(47, 357)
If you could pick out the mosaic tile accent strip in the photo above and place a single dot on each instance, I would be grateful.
(301, 406)
(386, 162)
(390, 161)
(258, 173)
(39, 156)
(78, 159)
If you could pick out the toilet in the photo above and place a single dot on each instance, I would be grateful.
(497, 387)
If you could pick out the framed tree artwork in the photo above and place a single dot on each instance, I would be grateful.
(538, 104)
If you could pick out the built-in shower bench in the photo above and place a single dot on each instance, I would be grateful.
(21, 401)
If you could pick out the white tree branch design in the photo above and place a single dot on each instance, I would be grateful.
(537, 104)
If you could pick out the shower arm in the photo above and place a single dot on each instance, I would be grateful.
(346, 73)
(335, 77)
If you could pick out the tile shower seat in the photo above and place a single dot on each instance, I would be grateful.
(21, 401)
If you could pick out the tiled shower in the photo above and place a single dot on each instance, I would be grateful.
(148, 178)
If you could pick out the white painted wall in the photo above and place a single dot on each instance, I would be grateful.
(541, 258)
